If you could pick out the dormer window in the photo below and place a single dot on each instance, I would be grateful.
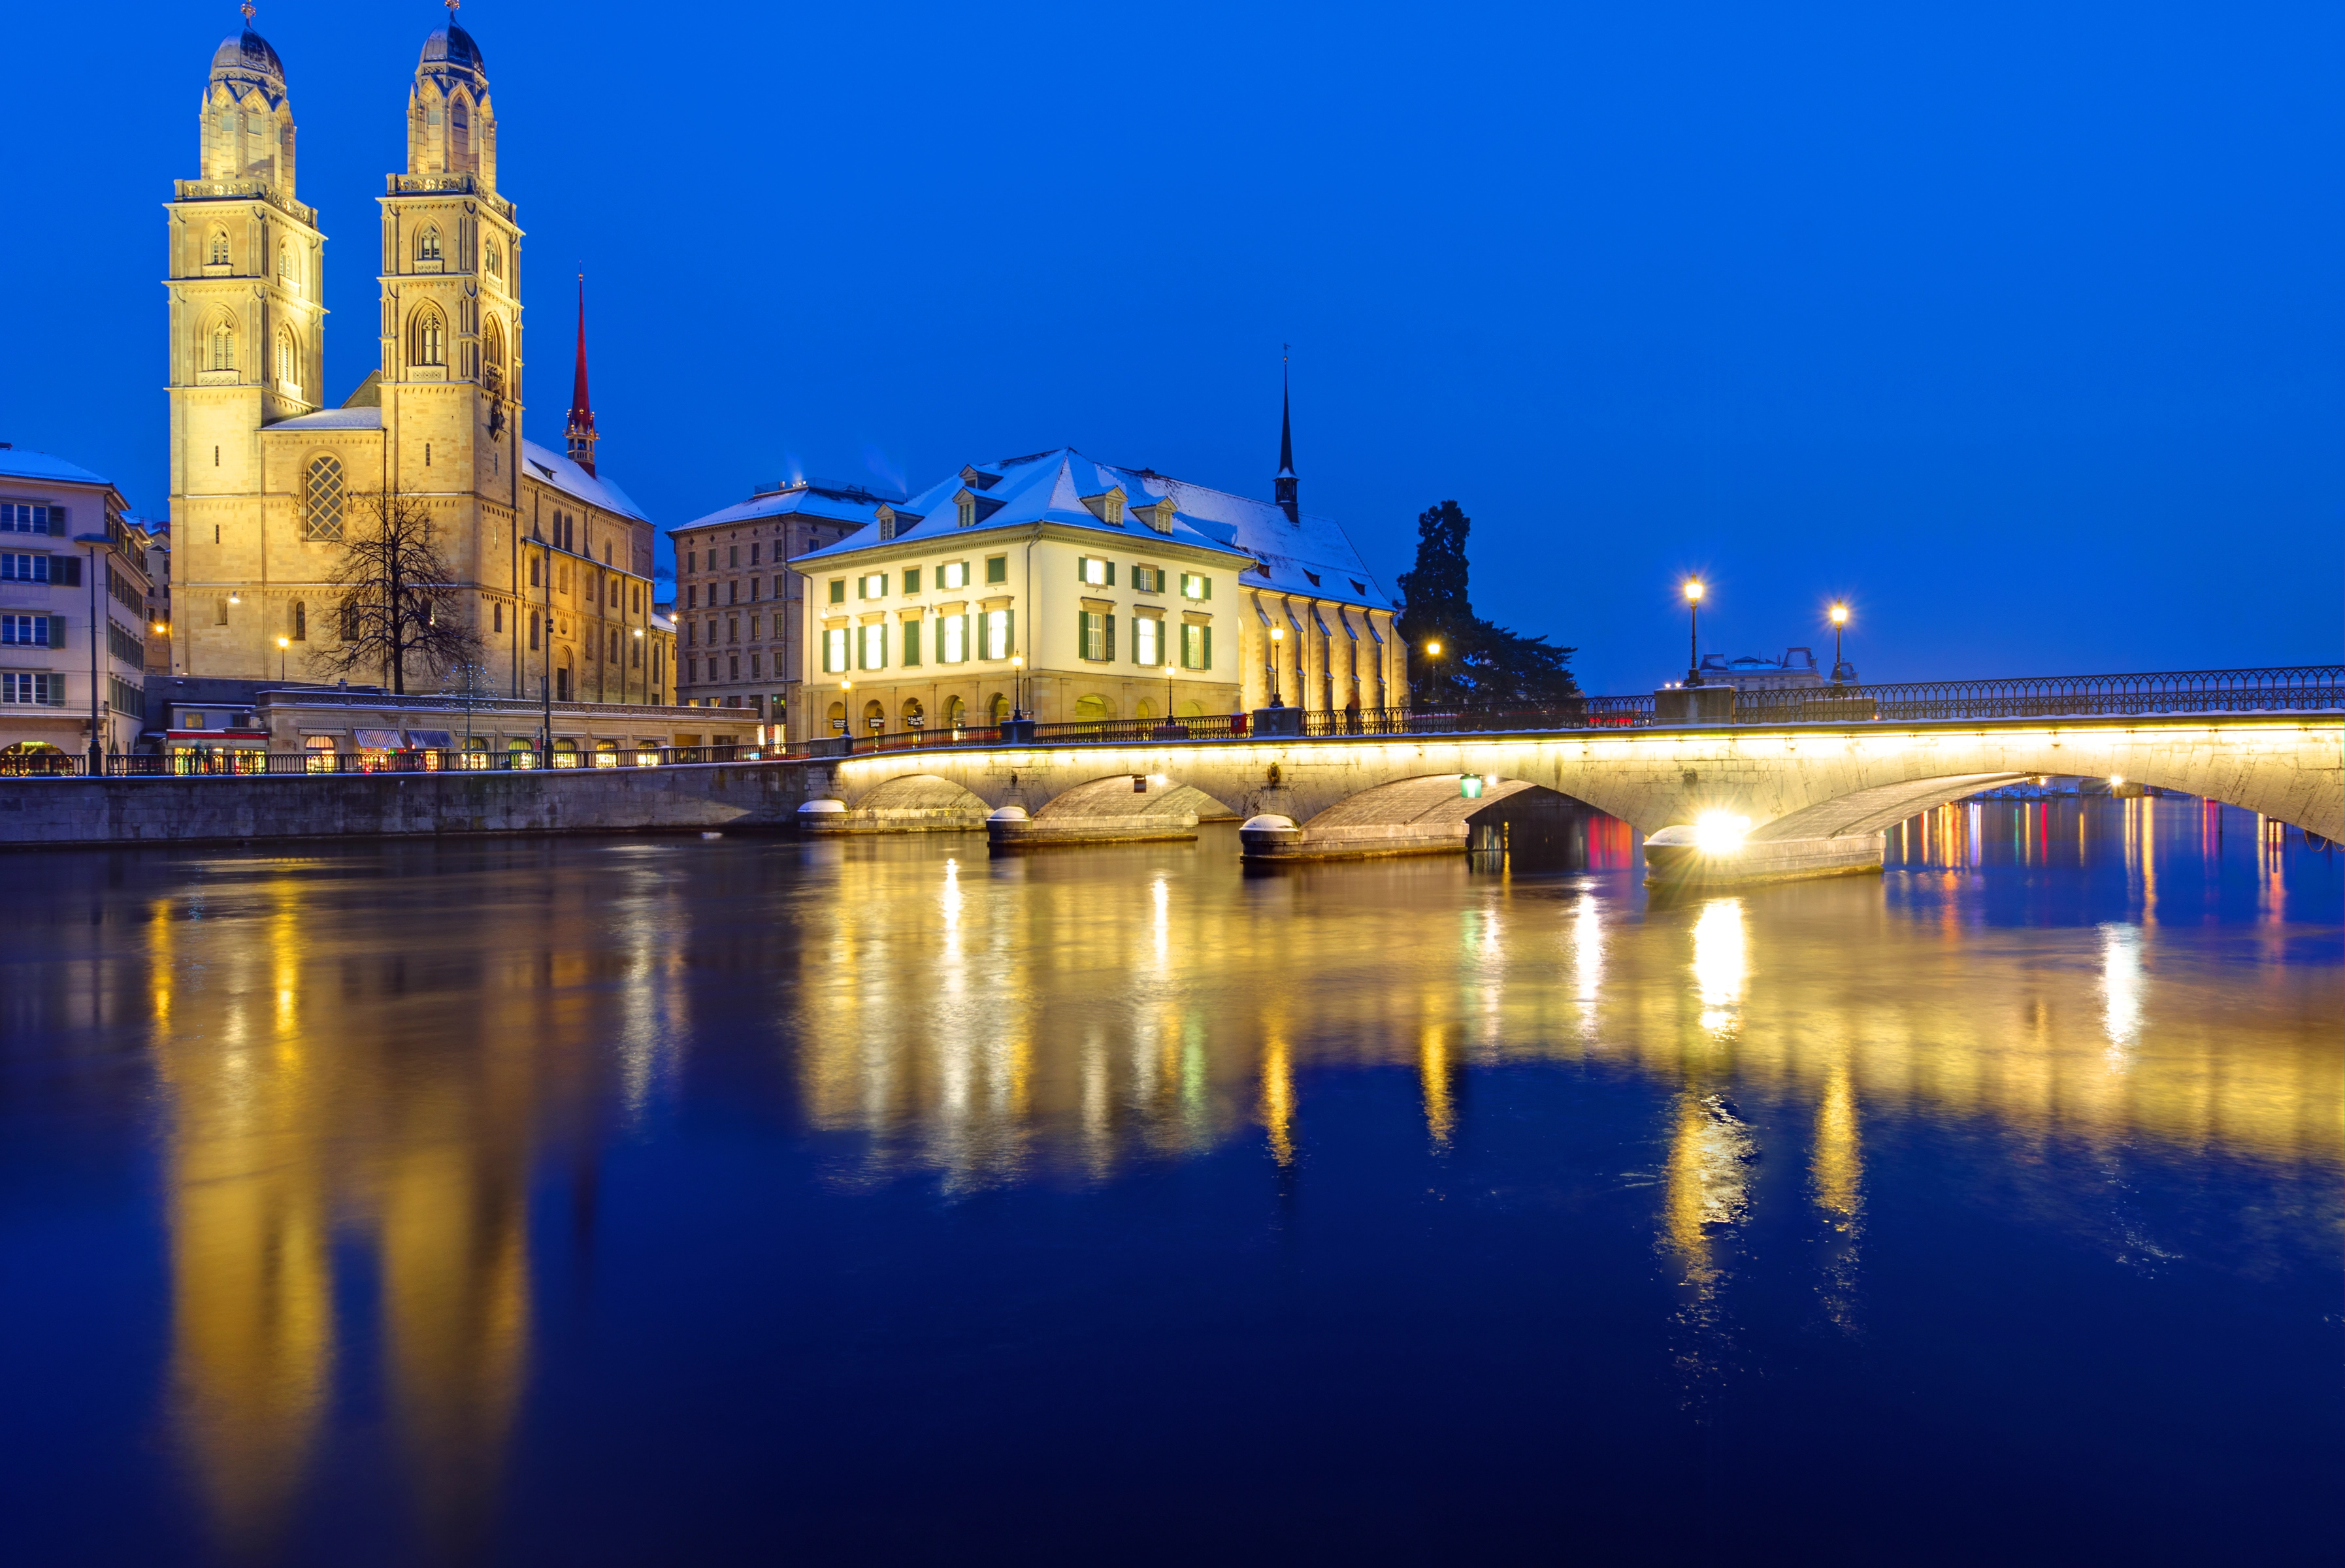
(977, 479)
(1107, 508)
(967, 503)
(886, 524)
(1158, 517)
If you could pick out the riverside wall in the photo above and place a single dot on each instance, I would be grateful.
(40, 812)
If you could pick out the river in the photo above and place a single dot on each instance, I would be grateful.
(683, 1200)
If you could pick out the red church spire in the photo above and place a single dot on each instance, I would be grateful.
(581, 433)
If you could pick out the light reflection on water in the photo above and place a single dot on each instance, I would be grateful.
(354, 1068)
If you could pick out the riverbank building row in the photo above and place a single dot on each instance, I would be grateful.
(268, 476)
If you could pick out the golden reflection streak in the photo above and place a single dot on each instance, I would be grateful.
(1433, 1070)
(1837, 1164)
(1278, 1099)
(1720, 962)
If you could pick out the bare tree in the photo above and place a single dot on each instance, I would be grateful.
(467, 684)
(396, 601)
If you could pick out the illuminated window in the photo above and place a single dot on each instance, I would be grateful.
(952, 639)
(834, 649)
(1196, 585)
(873, 585)
(875, 648)
(1196, 647)
(998, 641)
(953, 574)
(1095, 572)
(1096, 636)
(1147, 640)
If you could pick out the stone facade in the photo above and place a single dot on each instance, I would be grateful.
(554, 562)
(740, 613)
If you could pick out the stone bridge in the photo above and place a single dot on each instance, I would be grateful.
(1715, 803)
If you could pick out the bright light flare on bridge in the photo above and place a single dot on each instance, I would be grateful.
(1716, 833)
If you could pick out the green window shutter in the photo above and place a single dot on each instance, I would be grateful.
(1082, 563)
(1110, 574)
(1010, 625)
(56, 631)
(1205, 636)
(1208, 581)
(1082, 633)
(911, 643)
(1109, 648)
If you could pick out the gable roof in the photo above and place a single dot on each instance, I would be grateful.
(18, 462)
(831, 501)
(1053, 487)
(551, 467)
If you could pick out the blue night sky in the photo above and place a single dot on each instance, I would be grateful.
(2018, 324)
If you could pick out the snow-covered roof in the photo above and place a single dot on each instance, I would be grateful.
(566, 476)
(342, 418)
(1311, 556)
(813, 498)
(17, 462)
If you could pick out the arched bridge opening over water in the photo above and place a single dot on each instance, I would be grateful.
(1800, 784)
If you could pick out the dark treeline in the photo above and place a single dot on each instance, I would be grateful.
(1478, 662)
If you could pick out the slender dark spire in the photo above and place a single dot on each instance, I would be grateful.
(581, 433)
(1288, 501)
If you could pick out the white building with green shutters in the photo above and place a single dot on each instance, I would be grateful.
(1071, 589)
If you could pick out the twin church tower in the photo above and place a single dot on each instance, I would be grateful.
(553, 560)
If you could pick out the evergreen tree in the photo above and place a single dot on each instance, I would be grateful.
(1478, 662)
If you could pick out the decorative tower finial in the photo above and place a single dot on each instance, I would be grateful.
(1287, 498)
(247, 9)
(581, 433)
(451, 5)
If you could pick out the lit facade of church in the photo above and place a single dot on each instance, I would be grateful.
(554, 562)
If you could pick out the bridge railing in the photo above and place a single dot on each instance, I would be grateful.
(2284, 689)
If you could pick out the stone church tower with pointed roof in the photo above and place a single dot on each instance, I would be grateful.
(268, 476)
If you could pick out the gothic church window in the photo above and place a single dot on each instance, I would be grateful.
(431, 345)
(427, 245)
(300, 622)
(288, 359)
(494, 259)
(219, 252)
(321, 501)
(223, 345)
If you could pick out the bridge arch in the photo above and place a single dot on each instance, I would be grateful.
(908, 803)
(1424, 813)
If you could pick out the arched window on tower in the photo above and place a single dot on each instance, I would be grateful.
(289, 360)
(459, 127)
(216, 253)
(300, 622)
(429, 344)
(321, 501)
(494, 259)
(427, 245)
(492, 354)
(285, 263)
(221, 355)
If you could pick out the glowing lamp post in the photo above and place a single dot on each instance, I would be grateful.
(1693, 630)
(1277, 635)
(1017, 685)
(282, 644)
(1840, 623)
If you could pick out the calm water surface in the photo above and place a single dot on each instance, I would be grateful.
(672, 1200)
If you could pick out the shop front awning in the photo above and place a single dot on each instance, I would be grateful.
(431, 740)
(376, 740)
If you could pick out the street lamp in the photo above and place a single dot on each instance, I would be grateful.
(847, 707)
(1839, 621)
(94, 542)
(1277, 635)
(1693, 630)
(282, 644)
(1017, 685)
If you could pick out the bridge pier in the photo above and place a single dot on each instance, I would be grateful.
(1676, 857)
